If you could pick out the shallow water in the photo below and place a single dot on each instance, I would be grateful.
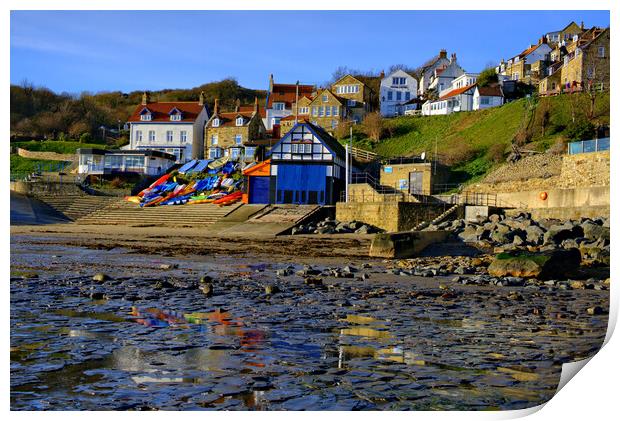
(150, 339)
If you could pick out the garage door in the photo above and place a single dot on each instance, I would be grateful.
(259, 190)
(301, 184)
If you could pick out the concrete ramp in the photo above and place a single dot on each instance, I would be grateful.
(270, 221)
(26, 210)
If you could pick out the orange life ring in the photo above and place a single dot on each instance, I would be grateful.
(543, 195)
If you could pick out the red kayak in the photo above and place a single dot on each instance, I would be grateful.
(228, 197)
(157, 182)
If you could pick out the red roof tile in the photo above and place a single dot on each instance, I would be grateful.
(250, 108)
(160, 110)
(286, 93)
(457, 91)
(492, 90)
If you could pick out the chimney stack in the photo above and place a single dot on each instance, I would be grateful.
(453, 58)
(201, 99)
(582, 26)
(271, 82)
(255, 105)
(216, 106)
(382, 74)
(443, 53)
(145, 98)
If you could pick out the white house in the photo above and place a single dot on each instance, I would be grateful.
(428, 69)
(280, 101)
(396, 89)
(443, 76)
(113, 162)
(175, 128)
(487, 97)
(517, 67)
(455, 100)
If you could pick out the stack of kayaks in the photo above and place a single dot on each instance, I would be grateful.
(211, 181)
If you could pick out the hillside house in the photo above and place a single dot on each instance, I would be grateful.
(307, 167)
(281, 99)
(328, 109)
(234, 134)
(529, 65)
(175, 128)
(487, 97)
(441, 79)
(397, 89)
(428, 69)
(359, 97)
(554, 38)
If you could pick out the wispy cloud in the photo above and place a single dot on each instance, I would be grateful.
(57, 47)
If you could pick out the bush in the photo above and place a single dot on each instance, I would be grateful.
(373, 126)
(487, 77)
(558, 148)
(460, 153)
(496, 153)
(117, 183)
(86, 138)
(580, 130)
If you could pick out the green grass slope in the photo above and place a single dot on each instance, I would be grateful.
(473, 143)
(57, 146)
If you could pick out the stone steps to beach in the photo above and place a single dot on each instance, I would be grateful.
(122, 212)
(77, 206)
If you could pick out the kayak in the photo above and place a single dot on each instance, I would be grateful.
(156, 183)
(133, 199)
(228, 197)
(217, 163)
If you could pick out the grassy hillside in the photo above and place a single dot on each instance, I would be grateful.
(56, 146)
(21, 166)
(475, 142)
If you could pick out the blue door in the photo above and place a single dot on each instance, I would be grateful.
(259, 189)
(301, 184)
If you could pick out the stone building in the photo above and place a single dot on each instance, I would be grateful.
(234, 134)
(589, 64)
(328, 109)
(359, 97)
(529, 65)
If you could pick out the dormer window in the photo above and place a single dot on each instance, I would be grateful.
(239, 121)
(175, 114)
(145, 114)
(216, 122)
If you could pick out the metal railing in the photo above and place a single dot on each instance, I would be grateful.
(586, 146)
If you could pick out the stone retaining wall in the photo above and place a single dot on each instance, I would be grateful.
(390, 216)
(48, 156)
(585, 170)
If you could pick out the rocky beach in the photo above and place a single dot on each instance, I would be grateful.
(113, 318)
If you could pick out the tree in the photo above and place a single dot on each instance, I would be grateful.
(593, 86)
(487, 77)
(544, 112)
(373, 126)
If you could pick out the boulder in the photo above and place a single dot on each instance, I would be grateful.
(544, 265)
(593, 231)
(558, 233)
(469, 235)
(101, 277)
(534, 234)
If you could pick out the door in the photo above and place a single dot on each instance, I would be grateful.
(415, 182)
(303, 184)
(259, 190)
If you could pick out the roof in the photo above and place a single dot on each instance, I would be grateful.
(331, 143)
(260, 167)
(292, 117)
(491, 90)
(143, 152)
(229, 119)
(287, 93)
(250, 108)
(457, 91)
(160, 111)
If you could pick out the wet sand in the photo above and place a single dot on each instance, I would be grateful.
(149, 338)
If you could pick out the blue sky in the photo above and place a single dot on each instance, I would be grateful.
(76, 51)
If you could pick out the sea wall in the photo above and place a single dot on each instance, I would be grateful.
(390, 216)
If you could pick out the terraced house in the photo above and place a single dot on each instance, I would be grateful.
(281, 99)
(529, 65)
(328, 110)
(287, 123)
(428, 69)
(235, 134)
(175, 128)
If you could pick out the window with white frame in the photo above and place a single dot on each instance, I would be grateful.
(399, 95)
(315, 111)
(215, 153)
(234, 153)
(216, 122)
(351, 102)
(168, 135)
(601, 51)
(239, 121)
(321, 111)
(485, 100)
(138, 135)
(249, 151)
(328, 111)
(146, 117)
(183, 136)
(390, 95)
(303, 110)
(151, 135)
(175, 117)
(214, 139)
(294, 147)
(278, 106)
(334, 110)
(325, 98)
(238, 139)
